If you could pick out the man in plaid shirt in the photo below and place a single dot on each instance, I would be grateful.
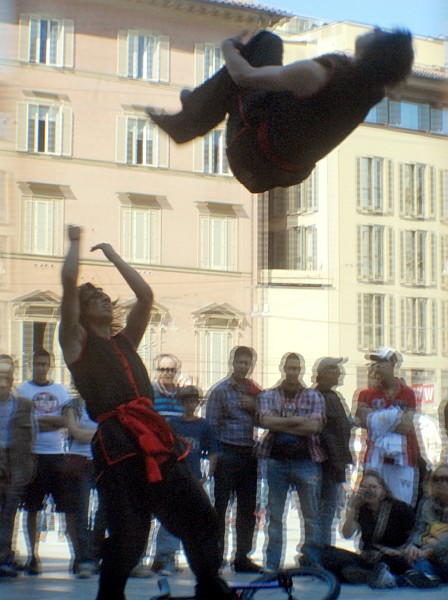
(294, 416)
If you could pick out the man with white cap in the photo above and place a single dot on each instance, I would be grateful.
(387, 412)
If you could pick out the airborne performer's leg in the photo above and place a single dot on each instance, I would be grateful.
(207, 105)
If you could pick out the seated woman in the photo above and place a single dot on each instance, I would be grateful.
(428, 548)
(385, 524)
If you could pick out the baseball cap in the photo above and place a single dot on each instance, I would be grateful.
(188, 391)
(329, 362)
(383, 354)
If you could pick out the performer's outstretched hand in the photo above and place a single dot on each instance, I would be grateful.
(107, 249)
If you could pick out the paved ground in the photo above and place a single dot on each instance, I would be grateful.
(56, 583)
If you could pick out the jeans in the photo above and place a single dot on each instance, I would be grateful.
(429, 567)
(305, 475)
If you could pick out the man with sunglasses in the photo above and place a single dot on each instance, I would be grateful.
(139, 466)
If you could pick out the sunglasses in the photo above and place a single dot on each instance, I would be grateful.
(440, 479)
(166, 369)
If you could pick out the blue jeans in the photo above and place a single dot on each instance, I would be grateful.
(424, 565)
(306, 476)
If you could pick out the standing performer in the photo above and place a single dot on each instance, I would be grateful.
(283, 119)
(137, 461)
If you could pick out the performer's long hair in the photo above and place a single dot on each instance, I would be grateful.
(387, 58)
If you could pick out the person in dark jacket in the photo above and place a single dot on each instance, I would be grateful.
(283, 119)
(335, 439)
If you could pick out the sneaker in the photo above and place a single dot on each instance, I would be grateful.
(419, 579)
(33, 566)
(383, 577)
(246, 565)
(85, 570)
(141, 571)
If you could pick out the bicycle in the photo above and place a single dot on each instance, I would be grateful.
(297, 584)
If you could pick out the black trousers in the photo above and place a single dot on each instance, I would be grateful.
(207, 105)
(236, 473)
(336, 559)
(180, 504)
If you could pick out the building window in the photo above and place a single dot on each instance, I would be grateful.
(418, 258)
(444, 196)
(418, 325)
(140, 142)
(415, 116)
(46, 41)
(208, 60)
(374, 185)
(143, 56)
(43, 226)
(215, 158)
(140, 234)
(371, 320)
(44, 128)
(417, 191)
(304, 248)
(219, 242)
(217, 329)
(375, 253)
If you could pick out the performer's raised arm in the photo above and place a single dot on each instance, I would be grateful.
(138, 318)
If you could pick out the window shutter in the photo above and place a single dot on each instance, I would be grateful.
(433, 326)
(58, 227)
(199, 64)
(24, 38)
(431, 191)
(122, 54)
(120, 150)
(232, 244)
(402, 191)
(205, 242)
(402, 257)
(126, 229)
(69, 43)
(359, 256)
(389, 186)
(67, 129)
(58, 131)
(22, 126)
(164, 57)
(390, 255)
(358, 183)
(432, 258)
(198, 155)
(444, 195)
(403, 323)
(164, 146)
(27, 223)
(391, 301)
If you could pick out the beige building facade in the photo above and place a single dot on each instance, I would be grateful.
(353, 258)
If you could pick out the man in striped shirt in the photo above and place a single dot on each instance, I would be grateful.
(294, 416)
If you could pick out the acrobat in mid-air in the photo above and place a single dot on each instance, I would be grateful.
(283, 119)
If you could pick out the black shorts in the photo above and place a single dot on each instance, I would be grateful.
(50, 479)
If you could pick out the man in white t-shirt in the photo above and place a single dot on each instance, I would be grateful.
(49, 399)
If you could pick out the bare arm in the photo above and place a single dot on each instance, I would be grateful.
(304, 77)
(70, 330)
(139, 315)
(362, 412)
(52, 423)
(84, 436)
(406, 424)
